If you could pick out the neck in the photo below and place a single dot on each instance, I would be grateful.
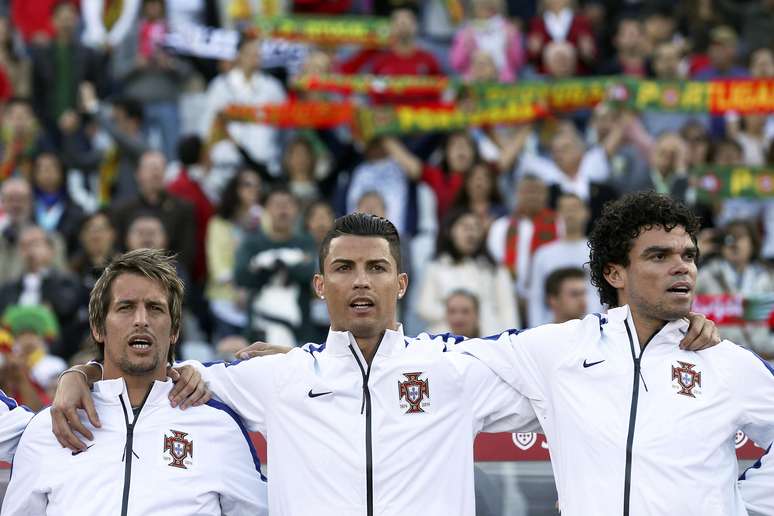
(279, 234)
(573, 235)
(152, 197)
(403, 48)
(136, 386)
(646, 327)
(368, 346)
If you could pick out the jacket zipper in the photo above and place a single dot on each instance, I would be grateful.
(368, 441)
(632, 415)
(129, 451)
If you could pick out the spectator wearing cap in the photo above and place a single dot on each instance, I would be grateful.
(34, 328)
(246, 84)
(738, 271)
(722, 53)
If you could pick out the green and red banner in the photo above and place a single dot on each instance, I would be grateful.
(327, 30)
(733, 309)
(715, 182)
(714, 97)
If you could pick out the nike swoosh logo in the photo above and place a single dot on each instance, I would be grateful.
(589, 364)
(316, 394)
(81, 451)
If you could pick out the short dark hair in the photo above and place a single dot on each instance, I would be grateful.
(362, 224)
(278, 189)
(189, 149)
(131, 107)
(556, 279)
(463, 292)
(621, 222)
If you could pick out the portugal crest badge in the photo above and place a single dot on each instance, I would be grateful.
(687, 378)
(178, 449)
(413, 391)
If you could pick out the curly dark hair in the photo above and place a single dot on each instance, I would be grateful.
(621, 222)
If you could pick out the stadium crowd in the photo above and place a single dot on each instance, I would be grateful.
(111, 139)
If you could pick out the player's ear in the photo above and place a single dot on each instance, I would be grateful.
(318, 283)
(614, 274)
(402, 284)
(96, 335)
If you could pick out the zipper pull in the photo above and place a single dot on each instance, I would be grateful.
(362, 404)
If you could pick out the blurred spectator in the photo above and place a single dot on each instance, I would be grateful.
(570, 250)
(739, 271)
(246, 84)
(33, 19)
(33, 328)
(97, 239)
(105, 24)
(156, 79)
(630, 50)
(489, 32)
(559, 22)
(322, 6)
(762, 62)
(176, 214)
(41, 283)
(54, 210)
(660, 22)
(480, 194)
(722, 53)
(17, 212)
(566, 292)
(462, 262)
(60, 66)
(299, 165)
(697, 139)
(14, 64)
(462, 314)
(238, 215)
(318, 220)
(188, 186)
(382, 174)
(459, 154)
(277, 265)
(112, 163)
(20, 138)
(15, 378)
(514, 238)
(403, 57)
(750, 132)
(482, 68)
(560, 60)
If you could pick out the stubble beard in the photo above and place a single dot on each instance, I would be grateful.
(660, 310)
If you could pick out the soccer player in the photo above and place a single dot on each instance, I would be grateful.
(147, 457)
(371, 422)
(637, 425)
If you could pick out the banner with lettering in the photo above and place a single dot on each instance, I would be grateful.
(364, 31)
(714, 182)
(715, 97)
(733, 309)
(295, 114)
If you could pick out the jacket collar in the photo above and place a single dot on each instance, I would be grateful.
(672, 332)
(338, 343)
(108, 391)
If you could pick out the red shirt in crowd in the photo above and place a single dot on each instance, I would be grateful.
(580, 27)
(186, 188)
(32, 17)
(445, 186)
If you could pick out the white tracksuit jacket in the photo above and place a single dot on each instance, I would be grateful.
(164, 461)
(13, 420)
(392, 439)
(638, 433)
(757, 485)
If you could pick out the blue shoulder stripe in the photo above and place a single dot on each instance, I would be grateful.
(314, 348)
(12, 403)
(218, 362)
(757, 464)
(602, 321)
(765, 363)
(225, 408)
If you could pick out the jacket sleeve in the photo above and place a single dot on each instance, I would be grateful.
(245, 386)
(495, 405)
(525, 360)
(24, 496)
(757, 484)
(243, 486)
(13, 420)
(755, 390)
